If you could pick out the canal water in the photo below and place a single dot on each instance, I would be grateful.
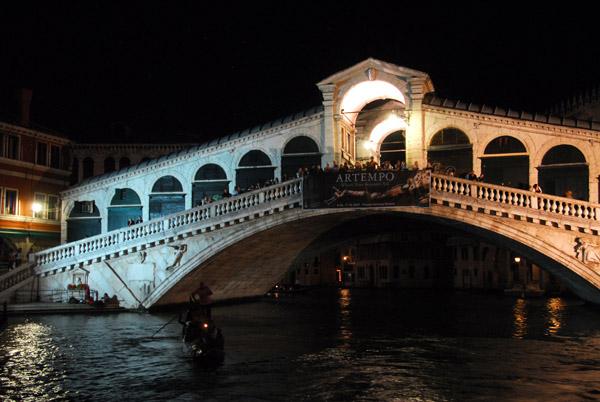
(324, 345)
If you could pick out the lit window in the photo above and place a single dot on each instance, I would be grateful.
(53, 207)
(39, 206)
(10, 202)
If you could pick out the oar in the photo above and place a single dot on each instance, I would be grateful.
(161, 328)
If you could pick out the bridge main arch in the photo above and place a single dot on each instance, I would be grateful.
(245, 262)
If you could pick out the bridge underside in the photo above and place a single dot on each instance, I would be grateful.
(252, 265)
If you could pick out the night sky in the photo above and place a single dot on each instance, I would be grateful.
(185, 71)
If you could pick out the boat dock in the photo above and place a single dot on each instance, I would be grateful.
(58, 308)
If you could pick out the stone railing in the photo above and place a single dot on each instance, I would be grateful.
(481, 195)
(254, 202)
(16, 276)
(446, 189)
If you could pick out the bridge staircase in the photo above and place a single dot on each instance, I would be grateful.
(18, 279)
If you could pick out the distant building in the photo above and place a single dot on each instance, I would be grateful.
(34, 169)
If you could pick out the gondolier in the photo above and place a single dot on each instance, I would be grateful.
(201, 297)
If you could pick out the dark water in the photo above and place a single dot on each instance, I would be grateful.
(326, 345)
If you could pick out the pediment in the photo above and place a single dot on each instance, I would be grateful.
(372, 67)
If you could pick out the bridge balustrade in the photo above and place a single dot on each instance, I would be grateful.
(16, 276)
(447, 188)
(512, 197)
(119, 239)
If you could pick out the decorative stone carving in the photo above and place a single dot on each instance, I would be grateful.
(587, 251)
(179, 252)
(142, 256)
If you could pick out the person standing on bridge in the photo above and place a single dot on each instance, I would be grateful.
(202, 297)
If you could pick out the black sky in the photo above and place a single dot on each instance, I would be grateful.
(190, 72)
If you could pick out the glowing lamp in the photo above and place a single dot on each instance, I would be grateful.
(36, 207)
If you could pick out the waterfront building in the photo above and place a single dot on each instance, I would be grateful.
(34, 169)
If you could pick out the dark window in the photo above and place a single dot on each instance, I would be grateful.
(88, 167)
(12, 147)
(55, 157)
(449, 137)
(505, 145)
(109, 165)
(301, 145)
(42, 153)
(563, 154)
(255, 158)
(210, 172)
(167, 184)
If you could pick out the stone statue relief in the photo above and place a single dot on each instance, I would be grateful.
(179, 252)
(587, 251)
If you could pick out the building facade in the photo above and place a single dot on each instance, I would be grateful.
(34, 169)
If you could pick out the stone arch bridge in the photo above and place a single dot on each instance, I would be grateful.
(243, 245)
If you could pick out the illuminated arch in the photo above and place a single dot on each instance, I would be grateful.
(361, 94)
(388, 126)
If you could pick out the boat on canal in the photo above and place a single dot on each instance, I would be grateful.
(202, 339)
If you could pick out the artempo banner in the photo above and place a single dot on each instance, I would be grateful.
(360, 189)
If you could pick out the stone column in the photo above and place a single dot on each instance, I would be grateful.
(415, 133)
(329, 140)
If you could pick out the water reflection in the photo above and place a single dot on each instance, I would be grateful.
(30, 364)
(345, 325)
(556, 307)
(519, 319)
(325, 345)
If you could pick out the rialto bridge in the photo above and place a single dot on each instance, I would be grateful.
(242, 245)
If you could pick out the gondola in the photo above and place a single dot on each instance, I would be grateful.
(202, 339)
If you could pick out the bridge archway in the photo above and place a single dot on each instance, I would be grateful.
(125, 204)
(563, 168)
(84, 221)
(210, 180)
(505, 162)
(254, 167)
(298, 153)
(360, 94)
(246, 259)
(167, 197)
(451, 149)
(393, 148)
